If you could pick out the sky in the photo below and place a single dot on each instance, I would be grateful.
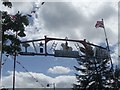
(74, 20)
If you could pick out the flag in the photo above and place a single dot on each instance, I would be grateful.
(99, 24)
(13, 17)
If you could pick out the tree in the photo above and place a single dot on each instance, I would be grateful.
(95, 71)
(14, 24)
(116, 80)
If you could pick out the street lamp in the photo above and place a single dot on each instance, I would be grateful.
(48, 85)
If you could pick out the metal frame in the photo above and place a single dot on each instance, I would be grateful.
(47, 39)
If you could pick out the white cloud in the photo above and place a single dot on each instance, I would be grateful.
(24, 80)
(59, 70)
(65, 81)
(75, 20)
(78, 22)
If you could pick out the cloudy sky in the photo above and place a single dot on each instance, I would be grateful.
(74, 20)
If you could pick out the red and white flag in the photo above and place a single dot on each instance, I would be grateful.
(99, 24)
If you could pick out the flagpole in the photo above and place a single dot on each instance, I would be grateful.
(106, 36)
(107, 44)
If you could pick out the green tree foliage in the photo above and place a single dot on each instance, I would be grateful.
(13, 27)
(94, 72)
(116, 80)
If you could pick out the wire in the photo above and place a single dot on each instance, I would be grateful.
(5, 60)
(30, 73)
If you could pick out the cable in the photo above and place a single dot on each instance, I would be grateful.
(24, 69)
(30, 73)
(5, 60)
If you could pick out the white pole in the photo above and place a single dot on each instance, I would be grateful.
(118, 55)
(105, 36)
(118, 37)
(0, 49)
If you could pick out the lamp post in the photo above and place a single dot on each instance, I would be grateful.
(48, 85)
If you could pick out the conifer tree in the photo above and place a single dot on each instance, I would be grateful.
(94, 70)
(116, 79)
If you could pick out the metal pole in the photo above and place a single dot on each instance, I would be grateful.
(46, 45)
(106, 36)
(54, 86)
(107, 44)
(14, 67)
